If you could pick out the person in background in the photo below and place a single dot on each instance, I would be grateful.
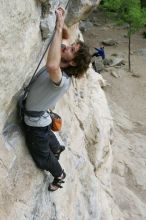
(99, 52)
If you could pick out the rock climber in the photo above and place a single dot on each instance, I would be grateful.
(63, 62)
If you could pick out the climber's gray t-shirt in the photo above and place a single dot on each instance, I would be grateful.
(44, 95)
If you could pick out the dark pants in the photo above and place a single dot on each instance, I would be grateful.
(42, 144)
(95, 55)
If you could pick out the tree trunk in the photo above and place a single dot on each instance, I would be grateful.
(129, 51)
(129, 48)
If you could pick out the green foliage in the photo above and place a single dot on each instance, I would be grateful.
(127, 11)
(112, 5)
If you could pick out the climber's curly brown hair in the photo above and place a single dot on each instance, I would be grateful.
(82, 60)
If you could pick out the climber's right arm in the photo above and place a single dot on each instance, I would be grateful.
(54, 52)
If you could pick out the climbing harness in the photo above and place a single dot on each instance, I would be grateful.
(22, 98)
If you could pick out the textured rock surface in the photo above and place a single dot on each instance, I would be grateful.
(87, 132)
(126, 95)
(128, 172)
(20, 42)
(77, 10)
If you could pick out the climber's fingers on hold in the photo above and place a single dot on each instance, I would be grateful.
(60, 10)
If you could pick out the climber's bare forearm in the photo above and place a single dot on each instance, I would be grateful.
(54, 52)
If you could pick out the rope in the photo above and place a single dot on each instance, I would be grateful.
(27, 87)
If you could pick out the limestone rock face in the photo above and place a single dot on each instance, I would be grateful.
(87, 132)
(20, 42)
(79, 10)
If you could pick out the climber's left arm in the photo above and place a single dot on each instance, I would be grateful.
(65, 32)
(65, 36)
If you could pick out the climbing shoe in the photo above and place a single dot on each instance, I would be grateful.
(56, 184)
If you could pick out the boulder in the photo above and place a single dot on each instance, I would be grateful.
(113, 73)
(140, 52)
(117, 61)
(84, 26)
(98, 65)
(109, 42)
(107, 61)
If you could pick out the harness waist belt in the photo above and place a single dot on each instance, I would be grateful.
(34, 113)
